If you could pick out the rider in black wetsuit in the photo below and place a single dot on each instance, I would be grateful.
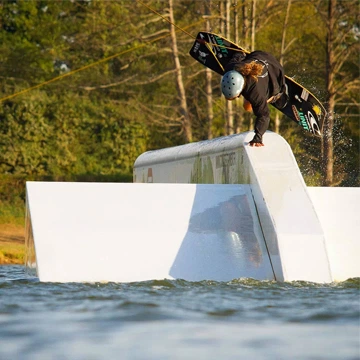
(263, 83)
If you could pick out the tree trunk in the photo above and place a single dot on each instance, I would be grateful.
(283, 38)
(246, 24)
(237, 111)
(222, 17)
(327, 141)
(186, 121)
(229, 104)
(282, 55)
(252, 47)
(209, 102)
(253, 24)
(208, 89)
(236, 22)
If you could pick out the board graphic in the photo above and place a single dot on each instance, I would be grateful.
(214, 52)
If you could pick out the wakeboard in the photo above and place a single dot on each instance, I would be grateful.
(214, 52)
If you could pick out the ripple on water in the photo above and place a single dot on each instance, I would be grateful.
(242, 317)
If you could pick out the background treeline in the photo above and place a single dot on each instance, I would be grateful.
(87, 86)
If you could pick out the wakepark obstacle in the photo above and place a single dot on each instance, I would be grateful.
(213, 210)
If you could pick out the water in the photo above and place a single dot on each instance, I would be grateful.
(241, 319)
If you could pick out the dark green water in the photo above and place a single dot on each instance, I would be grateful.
(241, 319)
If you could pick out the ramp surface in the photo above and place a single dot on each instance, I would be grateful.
(90, 232)
(291, 228)
(338, 210)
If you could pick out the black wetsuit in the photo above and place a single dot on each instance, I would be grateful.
(270, 83)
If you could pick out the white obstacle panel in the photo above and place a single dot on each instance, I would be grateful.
(290, 225)
(90, 232)
(339, 213)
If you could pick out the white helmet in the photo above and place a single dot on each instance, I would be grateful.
(232, 84)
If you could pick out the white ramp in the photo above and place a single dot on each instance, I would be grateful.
(339, 212)
(269, 227)
(290, 225)
(90, 232)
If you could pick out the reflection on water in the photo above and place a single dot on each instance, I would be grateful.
(223, 242)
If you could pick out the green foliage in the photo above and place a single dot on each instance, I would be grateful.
(44, 135)
(121, 97)
(12, 200)
(12, 253)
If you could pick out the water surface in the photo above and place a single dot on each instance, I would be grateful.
(176, 319)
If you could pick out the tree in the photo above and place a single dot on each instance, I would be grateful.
(179, 79)
(283, 50)
(124, 95)
(229, 126)
(208, 89)
(342, 48)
